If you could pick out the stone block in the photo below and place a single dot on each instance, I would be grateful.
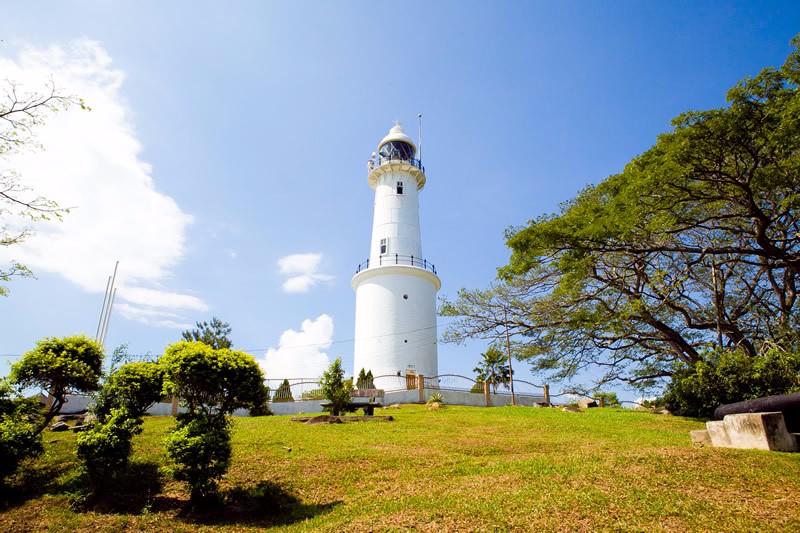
(700, 436)
(760, 431)
(718, 434)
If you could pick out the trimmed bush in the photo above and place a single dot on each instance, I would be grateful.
(200, 445)
(699, 389)
(106, 448)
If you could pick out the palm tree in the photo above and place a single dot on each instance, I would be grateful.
(493, 368)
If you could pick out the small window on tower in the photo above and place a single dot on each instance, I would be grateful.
(399, 187)
(383, 246)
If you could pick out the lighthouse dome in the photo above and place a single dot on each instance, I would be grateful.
(397, 145)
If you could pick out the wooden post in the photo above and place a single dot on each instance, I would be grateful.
(175, 403)
(486, 394)
(547, 394)
(421, 387)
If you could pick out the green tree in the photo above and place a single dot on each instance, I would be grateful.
(334, 387)
(212, 383)
(361, 381)
(200, 445)
(283, 392)
(695, 246)
(124, 397)
(60, 367)
(493, 368)
(20, 429)
(697, 390)
(105, 448)
(135, 386)
(21, 112)
(215, 334)
(610, 399)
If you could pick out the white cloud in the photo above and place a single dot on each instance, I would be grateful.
(302, 271)
(91, 161)
(300, 354)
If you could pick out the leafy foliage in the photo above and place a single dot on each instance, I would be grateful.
(106, 447)
(20, 113)
(365, 380)
(334, 387)
(201, 447)
(435, 398)
(214, 334)
(699, 389)
(695, 246)
(20, 433)
(212, 381)
(60, 366)
(135, 386)
(284, 392)
(261, 403)
(493, 369)
(610, 399)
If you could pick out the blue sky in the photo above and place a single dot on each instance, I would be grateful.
(226, 137)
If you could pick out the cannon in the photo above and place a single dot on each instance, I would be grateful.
(788, 404)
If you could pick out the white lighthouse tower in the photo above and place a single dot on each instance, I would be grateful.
(396, 287)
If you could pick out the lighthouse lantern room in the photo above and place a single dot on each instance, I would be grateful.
(396, 287)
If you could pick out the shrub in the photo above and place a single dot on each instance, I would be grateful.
(261, 404)
(201, 447)
(283, 392)
(20, 436)
(610, 399)
(135, 386)
(105, 448)
(435, 398)
(212, 381)
(334, 387)
(60, 366)
(697, 390)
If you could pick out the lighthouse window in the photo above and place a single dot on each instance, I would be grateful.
(383, 246)
(399, 187)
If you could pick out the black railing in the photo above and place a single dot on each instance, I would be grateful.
(383, 160)
(397, 259)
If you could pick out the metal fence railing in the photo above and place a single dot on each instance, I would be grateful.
(306, 389)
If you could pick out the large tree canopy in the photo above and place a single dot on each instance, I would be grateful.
(694, 246)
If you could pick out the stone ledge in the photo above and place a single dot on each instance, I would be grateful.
(749, 431)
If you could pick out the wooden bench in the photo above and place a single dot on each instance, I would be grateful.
(367, 407)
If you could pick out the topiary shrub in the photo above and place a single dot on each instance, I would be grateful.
(200, 445)
(212, 384)
(105, 448)
(135, 386)
(20, 436)
(697, 390)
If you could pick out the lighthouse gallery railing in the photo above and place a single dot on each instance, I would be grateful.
(397, 259)
(383, 160)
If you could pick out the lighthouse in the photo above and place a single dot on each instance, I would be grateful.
(396, 287)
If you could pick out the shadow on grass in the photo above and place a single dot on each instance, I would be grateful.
(132, 492)
(34, 479)
(266, 504)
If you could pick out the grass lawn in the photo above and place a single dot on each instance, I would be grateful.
(453, 469)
